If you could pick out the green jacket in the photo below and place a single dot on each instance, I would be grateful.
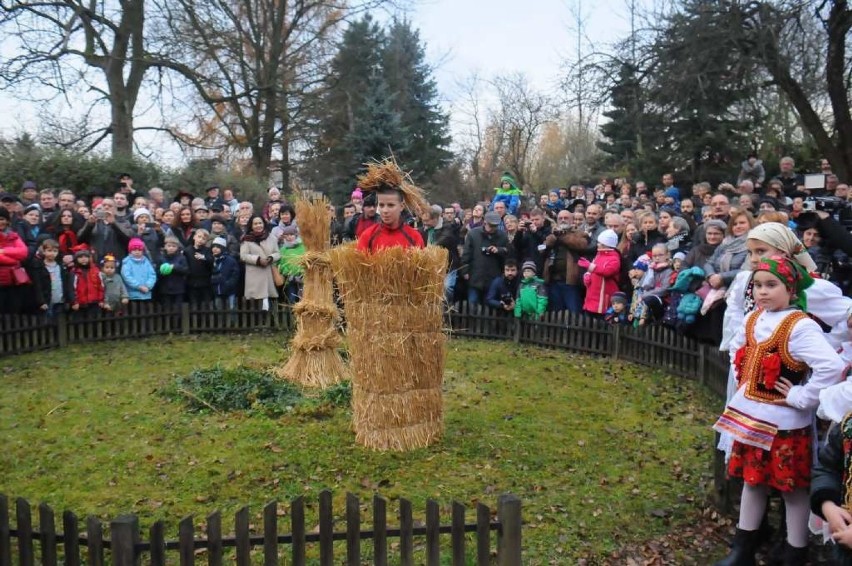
(532, 298)
(289, 265)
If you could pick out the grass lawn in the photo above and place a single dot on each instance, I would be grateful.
(601, 453)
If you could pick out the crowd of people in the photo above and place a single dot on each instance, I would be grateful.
(626, 252)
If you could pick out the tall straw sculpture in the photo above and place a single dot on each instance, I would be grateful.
(314, 360)
(394, 314)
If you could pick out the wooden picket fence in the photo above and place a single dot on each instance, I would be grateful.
(27, 333)
(126, 547)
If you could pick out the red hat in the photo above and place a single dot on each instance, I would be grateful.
(135, 244)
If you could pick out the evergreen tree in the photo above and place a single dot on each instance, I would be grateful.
(415, 98)
(333, 164)
(378, 130)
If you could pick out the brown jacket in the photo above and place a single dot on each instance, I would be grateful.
(576, 243)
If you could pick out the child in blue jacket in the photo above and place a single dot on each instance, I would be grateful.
(138, 272)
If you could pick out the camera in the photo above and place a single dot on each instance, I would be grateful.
(825, 204)
(484, 250)
(506, 298)
(100, 213)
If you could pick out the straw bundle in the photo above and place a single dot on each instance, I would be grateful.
(394, 315)
(387, 173)
(314, 360)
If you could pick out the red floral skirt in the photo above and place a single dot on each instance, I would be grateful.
(785, 467)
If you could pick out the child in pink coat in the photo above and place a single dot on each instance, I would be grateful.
(602, 275)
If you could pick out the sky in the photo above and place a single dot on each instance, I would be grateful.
(462, 37)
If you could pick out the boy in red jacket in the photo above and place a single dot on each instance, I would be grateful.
(391, 231)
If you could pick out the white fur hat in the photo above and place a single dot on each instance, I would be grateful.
(608, 238)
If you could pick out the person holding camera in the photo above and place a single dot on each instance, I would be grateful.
(484, 250)
(529, 240)
(105, 232)
(504, 289)
(564, 247)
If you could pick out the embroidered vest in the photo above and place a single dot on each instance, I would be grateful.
(761, 363)
(846, 442)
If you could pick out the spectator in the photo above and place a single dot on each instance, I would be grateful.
(508, 194)
(137, 271)
(184, 227)
(13, 252)
(720, 209)
(199, 262)
(484, 250)
(173, 269)
(504, 289)
(47, 202)
(440, 229)
(88, 284)
(511, 223)
(259, 253)
(752, 170)
(618, 311)
(213, 199)
(231, 202)
(286, 215)
(105, 233)
(226, 276)
(29, 227)
(477, 214)
(647, 237)
(532, 295)
(29, 193)
(688, 209)
(219, 229)
(655, 285)
(63, 232)
(122, 207)
(273, 195)
(115, 291)
(729, 257)
(790, 181)
(602, 274)
(564, 247)
(157, 197)
(291, 251)
(150, 233)
(532, 234)
(52, 284)
(677, 235)
(366, 218)
(593, 226)
(714, 233)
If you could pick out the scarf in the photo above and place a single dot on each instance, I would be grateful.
(781, 237)
(793, 275)
(730, 247)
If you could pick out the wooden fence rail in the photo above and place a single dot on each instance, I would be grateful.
(126, 546)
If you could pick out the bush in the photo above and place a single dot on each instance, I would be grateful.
(252, 391)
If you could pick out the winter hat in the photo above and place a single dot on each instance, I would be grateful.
(135, 244)
(529, 265)
(492, 218)
(28, 185)
(619, 297)
(81, 249)
(220, 241)
(672, 192)
(218, 218)
(32, 207)
(289, 230)
(642, 262)
(608, 238)
(357, 194)
(139, 212)
(171, 240)
(679, 255)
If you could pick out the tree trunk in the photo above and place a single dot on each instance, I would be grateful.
(839, 24)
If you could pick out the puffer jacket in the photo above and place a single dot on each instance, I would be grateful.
(14, 252)
(603, 281)
(567, 246)
(532, 298)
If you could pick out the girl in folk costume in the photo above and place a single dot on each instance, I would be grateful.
(782, 361)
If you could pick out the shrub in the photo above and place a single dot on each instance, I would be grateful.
(250, 390)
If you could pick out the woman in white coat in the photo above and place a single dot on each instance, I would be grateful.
(259, 252)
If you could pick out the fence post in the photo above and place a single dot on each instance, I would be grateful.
(516, 335)
(62, 329)
(125, 535)
(509, 546)
(702, 353)
(184, 318)
(616, 337)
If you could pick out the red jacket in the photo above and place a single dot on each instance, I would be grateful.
(603, 281)
(88, 285)
(379, 236)
(14, 252)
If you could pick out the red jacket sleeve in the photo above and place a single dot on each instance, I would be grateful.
(14, 250)
(608, 265)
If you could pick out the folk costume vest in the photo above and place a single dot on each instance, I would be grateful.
(758, 365)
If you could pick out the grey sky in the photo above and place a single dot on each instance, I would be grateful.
(462, 36)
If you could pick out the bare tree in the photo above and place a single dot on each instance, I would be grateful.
(63, 45)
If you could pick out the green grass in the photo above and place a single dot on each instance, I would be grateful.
(601, 453)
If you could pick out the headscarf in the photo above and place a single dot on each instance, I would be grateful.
(781, 237)
(791, 274)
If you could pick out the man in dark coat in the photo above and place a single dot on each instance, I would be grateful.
(482, 260)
